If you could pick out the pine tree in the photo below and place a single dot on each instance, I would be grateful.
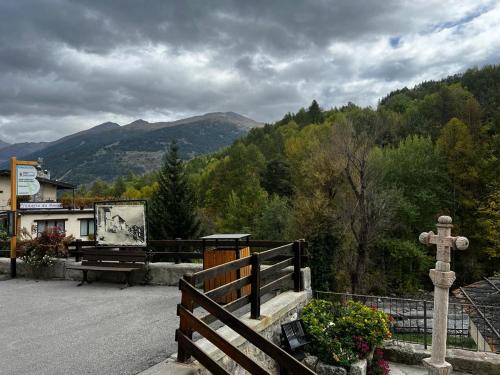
(172, 208)
(314, 112)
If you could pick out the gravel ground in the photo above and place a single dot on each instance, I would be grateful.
(54, 327)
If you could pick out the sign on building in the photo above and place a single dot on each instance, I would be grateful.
(27, 184)
(40, 205)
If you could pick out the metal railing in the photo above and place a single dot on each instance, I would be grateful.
(261, 281)
(411, 320)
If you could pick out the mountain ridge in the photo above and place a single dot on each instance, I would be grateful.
(109, 150)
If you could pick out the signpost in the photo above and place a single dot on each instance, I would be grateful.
(22, 182)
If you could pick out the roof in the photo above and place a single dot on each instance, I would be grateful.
(484, 298)
(58, 184)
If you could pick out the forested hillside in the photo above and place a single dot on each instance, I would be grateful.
(360, 184)
(109, 150)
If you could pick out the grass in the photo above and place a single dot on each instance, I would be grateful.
(452, 341)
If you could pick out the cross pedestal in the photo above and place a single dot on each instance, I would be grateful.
(442, 278)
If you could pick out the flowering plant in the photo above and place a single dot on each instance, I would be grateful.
(378, 366)
(342, 333)
(40, 251)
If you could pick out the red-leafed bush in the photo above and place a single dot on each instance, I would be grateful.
(41, 251)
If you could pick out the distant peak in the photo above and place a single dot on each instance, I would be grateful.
(106, 125)
(139, 122)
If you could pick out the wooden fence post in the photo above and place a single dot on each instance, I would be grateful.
(78, 248)
(255, 294)
(297, 265)
(187, 303)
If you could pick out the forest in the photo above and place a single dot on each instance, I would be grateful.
(360, 184)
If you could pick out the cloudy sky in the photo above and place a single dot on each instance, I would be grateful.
(69, 65)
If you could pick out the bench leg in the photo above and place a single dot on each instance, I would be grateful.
(85, 278)
(128, 280)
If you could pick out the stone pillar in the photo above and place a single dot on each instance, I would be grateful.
(442, 278)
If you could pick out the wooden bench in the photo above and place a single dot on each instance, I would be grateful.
(107, 260)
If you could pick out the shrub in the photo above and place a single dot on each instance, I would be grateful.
(342, 333)
(41, 251)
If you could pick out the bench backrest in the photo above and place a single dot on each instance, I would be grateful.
(114, 258)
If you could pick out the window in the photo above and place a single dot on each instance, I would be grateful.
(43, 225)
(86, 227)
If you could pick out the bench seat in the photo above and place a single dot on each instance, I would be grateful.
(102, 260)
(97, 268)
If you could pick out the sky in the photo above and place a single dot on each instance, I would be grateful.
(68, 65)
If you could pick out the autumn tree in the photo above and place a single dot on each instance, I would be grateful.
(366, 209)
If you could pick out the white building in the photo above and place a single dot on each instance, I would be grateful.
(42, 211)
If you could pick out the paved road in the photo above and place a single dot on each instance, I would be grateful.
(55, 328)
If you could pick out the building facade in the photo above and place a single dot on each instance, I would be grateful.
(43, 211)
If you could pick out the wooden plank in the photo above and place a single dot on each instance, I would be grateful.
(95, 268)
(232, 306)
(228, 288)
(117, 258)
(201, 276)
(276, 283)
(232, 351)
(190, 347)
(245, 271)
(282, 250)
(285, 360)
(112, 264)
(271, 270)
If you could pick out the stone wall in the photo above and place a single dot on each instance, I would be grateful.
(477, 363)
(162, 273)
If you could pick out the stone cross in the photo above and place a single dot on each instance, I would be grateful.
(442, 278)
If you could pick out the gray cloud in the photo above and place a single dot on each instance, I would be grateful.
(66, 65)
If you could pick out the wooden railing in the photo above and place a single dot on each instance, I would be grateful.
(262, 281)
(178, 250)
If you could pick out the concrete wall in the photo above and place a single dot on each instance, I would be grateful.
(157, 273)
(4, 193)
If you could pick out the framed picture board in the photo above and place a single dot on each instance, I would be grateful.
(121, 223)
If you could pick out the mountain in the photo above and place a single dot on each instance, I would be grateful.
(3, 144)
(109, 150)
(19, 150)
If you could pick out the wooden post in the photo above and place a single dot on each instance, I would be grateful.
(78, 249)
(255, 295)
(187, 303)
(297, 265)
(13, 207)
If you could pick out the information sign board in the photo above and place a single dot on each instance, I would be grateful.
(27, 184)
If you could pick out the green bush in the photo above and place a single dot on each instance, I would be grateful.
(342, 333)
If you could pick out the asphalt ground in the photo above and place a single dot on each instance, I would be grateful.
(56, 328)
